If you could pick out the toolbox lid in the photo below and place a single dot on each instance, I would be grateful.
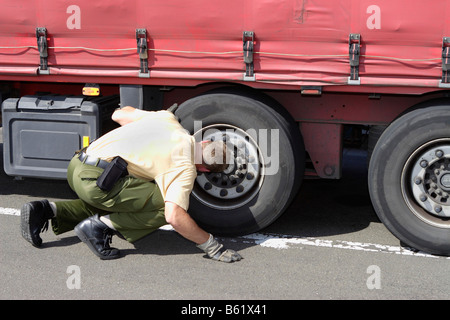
(50, 102)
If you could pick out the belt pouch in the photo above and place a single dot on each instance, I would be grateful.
(115, 170)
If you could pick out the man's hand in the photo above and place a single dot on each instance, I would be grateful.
(182, 222)
(217, 252)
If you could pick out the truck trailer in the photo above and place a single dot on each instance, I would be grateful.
(282, 82)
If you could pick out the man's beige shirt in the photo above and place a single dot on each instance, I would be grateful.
(156, 147)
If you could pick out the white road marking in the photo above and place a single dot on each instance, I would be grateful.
(282, 242)
(10, 211)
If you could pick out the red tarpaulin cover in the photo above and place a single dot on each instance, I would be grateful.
(295, 42)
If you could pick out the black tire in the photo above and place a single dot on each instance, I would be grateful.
(374, 134)
(412, 197)
(268, 197)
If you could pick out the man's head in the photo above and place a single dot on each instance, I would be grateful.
(214, 156)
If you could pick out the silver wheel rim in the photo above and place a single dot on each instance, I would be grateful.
(242, 179)
(426, 183)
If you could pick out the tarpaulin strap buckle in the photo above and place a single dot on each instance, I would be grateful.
(248, 44)
(142, 50)
(354, 54)
(41, 36)
(446, 60)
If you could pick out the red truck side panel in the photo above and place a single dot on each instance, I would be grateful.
(295, 42)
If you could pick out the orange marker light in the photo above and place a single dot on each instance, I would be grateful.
(91, 90)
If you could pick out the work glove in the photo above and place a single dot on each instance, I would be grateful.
(217, 252)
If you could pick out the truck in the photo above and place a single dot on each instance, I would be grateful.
(282, 82)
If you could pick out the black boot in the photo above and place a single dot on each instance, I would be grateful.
(97, 236)
(34, 218)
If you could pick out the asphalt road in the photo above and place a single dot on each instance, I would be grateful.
(328, 245)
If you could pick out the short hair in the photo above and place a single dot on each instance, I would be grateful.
(214, 155)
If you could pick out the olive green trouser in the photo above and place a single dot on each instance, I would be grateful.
(135, 206)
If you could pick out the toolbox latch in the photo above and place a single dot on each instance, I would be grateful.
(41, 36)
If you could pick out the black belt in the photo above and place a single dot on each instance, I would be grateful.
(93, 161)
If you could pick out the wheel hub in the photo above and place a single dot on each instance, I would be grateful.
(241, 180)
(430, 180)
(445, 181)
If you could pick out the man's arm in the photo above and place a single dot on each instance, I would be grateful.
(125, 115)
(182, 222)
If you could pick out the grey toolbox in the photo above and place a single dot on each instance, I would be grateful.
(42, 133)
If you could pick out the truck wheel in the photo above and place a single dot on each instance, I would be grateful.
(409, 179)
(374, 134)
(265, 168)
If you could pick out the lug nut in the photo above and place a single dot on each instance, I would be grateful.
(423, 198)
(233, 177)
(438, 209)
(207, 186)
(424, 163)
(439, 153)
(418, 180)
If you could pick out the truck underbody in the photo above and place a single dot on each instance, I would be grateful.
(286, 83)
